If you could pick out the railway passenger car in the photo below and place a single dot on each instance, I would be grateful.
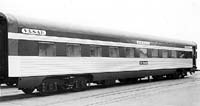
(51, 57)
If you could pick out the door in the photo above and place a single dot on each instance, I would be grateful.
(3, 48)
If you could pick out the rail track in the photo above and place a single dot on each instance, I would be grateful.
(96, 96)
(129, 92)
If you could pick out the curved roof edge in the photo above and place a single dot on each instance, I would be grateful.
(66, 27)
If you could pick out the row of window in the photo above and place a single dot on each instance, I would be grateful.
(74, 50)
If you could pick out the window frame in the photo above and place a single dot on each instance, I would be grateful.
(152, 52)
(73, 53)
(175, 51)
(138, 52)
(130, 53)
(111, 49)
(49, 44)
(97, 51)
(165, 55)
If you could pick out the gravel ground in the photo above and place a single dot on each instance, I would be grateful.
(177, 92)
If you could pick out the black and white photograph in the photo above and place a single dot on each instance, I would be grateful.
(99, 53)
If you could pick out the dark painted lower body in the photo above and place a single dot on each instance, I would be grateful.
(74, 81)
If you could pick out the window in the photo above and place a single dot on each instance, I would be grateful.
(181, 54)
(164, 53)
(184, 54)
(13, 47)
(73, 50)
(173, 54)
(130, 52)
(155, 53)
(141, 52)
(47, 49)
(114, 52)
(95, 51)
(188, 54)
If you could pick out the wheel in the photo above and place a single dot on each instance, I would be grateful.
(79, 84)
(50, 86)
(179, 74)
(183, 74)
(28, 90)
(10, 84)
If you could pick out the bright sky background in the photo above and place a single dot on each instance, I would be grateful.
(179, 19)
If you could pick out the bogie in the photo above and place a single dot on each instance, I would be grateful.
(54, 85)
(79, 84)
(50, 86)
